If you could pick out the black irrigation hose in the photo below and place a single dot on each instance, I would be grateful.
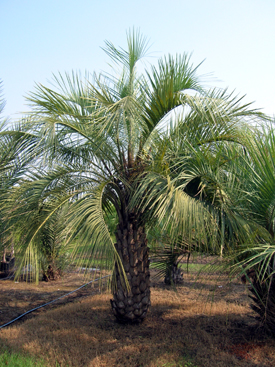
(36, 308)
(8, 277)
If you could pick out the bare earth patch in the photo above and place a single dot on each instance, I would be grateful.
(204, 323)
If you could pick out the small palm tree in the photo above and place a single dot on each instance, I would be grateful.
(127, 142)
(11, 168)
(209, 171)
(258, 166)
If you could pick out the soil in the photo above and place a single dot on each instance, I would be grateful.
(20, 297)
(207, 316)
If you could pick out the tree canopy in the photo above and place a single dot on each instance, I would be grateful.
(155, 146)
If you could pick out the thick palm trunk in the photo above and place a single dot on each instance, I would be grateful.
(132, 305)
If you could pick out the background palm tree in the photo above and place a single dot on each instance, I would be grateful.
(16, 155)
(134, 143)
(11, 168)
(257, 255)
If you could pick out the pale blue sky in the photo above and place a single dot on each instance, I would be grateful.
(41, 37)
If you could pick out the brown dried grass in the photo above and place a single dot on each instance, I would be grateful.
(206, 323)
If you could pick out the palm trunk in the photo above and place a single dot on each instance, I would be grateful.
(173, 274)
(132, 305)
(4, 255)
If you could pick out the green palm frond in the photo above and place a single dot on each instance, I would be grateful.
(87, 228)
(137, 49)
(2, 100)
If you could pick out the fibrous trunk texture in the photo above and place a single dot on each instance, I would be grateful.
(131, 306)
(52, 273)
(173, 275)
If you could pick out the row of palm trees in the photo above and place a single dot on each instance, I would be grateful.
(157, 149)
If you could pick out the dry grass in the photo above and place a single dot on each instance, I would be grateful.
(195, 326)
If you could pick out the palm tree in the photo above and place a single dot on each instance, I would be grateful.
(10, 169)
(15, 146)
(124, 142)
(258, 256)
(206, 165)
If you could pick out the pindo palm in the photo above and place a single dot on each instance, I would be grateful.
(119, 143)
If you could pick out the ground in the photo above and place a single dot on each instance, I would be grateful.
(206, 321)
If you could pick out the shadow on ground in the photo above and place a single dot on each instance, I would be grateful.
(177, 331)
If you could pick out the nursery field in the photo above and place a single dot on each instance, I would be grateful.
(206, 321)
